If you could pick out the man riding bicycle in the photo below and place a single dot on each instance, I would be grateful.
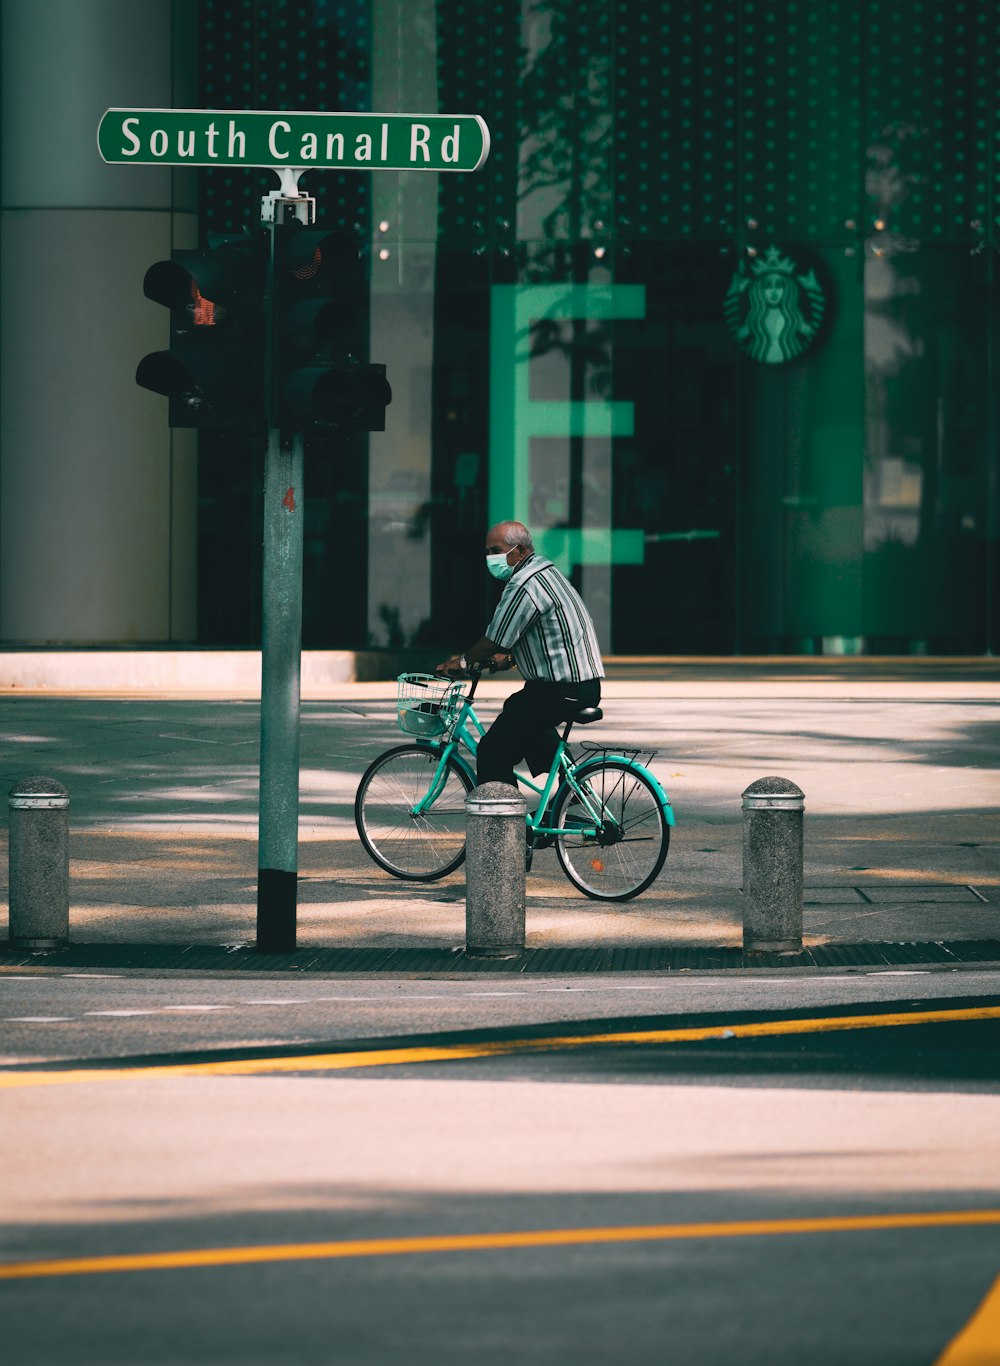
(542, 626)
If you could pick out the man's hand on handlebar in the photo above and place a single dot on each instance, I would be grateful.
(453, 666)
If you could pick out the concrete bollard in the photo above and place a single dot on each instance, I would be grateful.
(39, 864)
(772, 866)
(494, 872)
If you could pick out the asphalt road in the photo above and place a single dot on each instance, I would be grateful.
(81, 1016)
(900, 835)
(772, 1168)
(776, 1169)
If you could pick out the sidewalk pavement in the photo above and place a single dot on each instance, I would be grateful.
(901, 771)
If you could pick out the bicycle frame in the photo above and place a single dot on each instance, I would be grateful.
(469, 730)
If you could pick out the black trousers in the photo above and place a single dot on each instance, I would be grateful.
(524, 729)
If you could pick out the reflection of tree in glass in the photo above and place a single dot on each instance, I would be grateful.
(564, 187)
(889, 344)
(565, 133)
(565, 195)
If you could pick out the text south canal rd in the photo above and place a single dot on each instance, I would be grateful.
(437, 142)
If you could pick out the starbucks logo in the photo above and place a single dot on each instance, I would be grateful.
(772, 312)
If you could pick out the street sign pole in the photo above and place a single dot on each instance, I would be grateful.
(281, 635)
(281, 645)
(288, 143)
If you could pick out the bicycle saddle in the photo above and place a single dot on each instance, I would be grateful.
(587, 714)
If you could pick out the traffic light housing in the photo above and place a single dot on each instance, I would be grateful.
(213, 374)
(321, 384)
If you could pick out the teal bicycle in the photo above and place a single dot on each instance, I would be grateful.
(603, 810)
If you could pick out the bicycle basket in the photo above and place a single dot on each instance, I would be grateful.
(427, 705)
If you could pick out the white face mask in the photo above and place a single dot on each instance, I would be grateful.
(498, 566)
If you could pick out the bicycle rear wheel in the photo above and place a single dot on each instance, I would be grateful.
(420, 847)
(623, 857)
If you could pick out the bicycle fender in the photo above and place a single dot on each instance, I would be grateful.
(668, 810)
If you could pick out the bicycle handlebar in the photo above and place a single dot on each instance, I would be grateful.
(474, 672)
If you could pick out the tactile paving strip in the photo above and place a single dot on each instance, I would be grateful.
(424, 961)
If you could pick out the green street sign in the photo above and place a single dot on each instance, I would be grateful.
(258, 137)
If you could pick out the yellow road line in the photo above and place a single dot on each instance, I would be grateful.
(978, 1344)
(390, 1057)
(482, 1242)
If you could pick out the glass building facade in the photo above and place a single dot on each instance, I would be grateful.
(717, 319)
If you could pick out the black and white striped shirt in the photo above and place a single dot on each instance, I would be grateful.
(541, 620)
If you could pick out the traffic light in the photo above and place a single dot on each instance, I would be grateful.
(213, 373)
(322, 386)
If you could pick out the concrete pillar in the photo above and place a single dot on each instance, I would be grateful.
(39, 864)
(495, 871)
(97, 495)
(772, 866)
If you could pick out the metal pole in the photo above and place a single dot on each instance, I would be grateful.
(281, 638)
(281, 647)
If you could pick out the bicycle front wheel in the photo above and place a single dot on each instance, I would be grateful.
(619, 856)
(421, 846)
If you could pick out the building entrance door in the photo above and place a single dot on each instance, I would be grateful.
(676, 476)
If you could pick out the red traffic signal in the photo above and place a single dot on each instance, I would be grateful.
(213, 373)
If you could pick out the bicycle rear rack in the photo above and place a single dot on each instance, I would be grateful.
(586, 751)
